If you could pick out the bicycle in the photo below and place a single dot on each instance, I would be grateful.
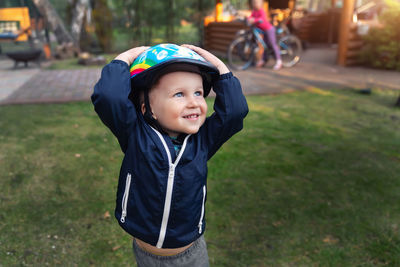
(242, 50)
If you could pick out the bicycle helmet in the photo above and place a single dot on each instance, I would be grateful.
(146, 67)
(162, 59)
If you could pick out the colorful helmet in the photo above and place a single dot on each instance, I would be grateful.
(164, 58)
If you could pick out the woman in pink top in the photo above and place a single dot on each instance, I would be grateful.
(259, 18)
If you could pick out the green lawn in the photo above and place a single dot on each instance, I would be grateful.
(312, 180)
(72, 63)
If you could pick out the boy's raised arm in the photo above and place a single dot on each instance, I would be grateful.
(130, 55)
(110, 96)
(210, 58)
(230, 106)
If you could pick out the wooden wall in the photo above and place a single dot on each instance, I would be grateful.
(354, 45)
(218, 35)
(313, 28)
(20, 14)
(320, 27)
(316, 28)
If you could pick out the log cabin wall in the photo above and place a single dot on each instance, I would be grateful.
(320, 27)
(218, 35)
(354, 46)
(314, 28)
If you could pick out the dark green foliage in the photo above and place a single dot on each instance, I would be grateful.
(102, 18)
(146, 22)
(382, 48)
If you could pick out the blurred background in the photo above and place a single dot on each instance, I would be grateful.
(312, 179)
(365, 31)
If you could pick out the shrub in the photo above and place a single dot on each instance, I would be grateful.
(382, 49)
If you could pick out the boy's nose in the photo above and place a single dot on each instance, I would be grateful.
(192, 102)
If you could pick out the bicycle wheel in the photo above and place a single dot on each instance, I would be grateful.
(241, 53)
(291, 49)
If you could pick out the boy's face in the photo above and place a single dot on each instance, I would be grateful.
(178, 104)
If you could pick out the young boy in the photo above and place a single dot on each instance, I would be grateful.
(158, 113)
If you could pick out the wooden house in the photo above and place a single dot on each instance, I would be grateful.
(312, 21)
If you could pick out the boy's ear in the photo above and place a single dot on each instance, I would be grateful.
(143, 109)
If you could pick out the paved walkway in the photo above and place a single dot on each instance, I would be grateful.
(316, 69)
(33, 85)
(11, 80)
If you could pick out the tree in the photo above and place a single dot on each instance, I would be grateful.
(80, 7)
(54, 21)
(199, 22)
(102, 18)
(170, 29)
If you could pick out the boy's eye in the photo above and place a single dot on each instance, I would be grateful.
(198, 93)
(178, 94)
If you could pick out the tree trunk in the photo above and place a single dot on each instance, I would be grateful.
(78, 16)
(54, 21)
(170, 31)
(398, 102)
(137, 32)
(200, 23)
(149, 33)
(102, 18)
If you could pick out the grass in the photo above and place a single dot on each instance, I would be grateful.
(72, 63)
(312, 180)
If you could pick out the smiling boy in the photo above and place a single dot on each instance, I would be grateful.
(157, 110)
(178, 103)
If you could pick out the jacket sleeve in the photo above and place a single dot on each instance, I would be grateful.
(110, 100)
(230, 109)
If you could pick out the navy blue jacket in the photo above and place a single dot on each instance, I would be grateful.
(161, 195)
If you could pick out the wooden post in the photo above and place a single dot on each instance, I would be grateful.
(291, 4)
(266, 10)
(344, 30)
(218, 10)
(266, 7)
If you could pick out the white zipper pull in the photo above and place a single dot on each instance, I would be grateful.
(202, 210)
(125, 197)
(123, 216)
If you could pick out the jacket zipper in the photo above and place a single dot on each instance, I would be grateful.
(125, 197)
(170, 186)
(202, 210)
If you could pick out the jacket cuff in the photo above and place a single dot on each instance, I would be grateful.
(117, 61)
(225, 76)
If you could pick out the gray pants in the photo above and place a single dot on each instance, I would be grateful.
(195, 256)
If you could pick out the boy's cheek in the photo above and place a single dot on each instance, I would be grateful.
(203, 119)
(205, 107)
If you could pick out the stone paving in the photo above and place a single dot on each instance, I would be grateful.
(56, 86)
(11, 80)
(317, 68)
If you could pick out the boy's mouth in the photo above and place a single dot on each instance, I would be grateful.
(191, 116)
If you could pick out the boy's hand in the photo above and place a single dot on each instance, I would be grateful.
(209, 57)
(130, 55)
